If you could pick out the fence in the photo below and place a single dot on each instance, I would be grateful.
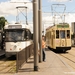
(22, 56)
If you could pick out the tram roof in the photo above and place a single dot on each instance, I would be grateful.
(60, 25)
(49, 27)
(16, 26)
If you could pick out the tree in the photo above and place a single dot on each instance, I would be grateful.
(2, 22)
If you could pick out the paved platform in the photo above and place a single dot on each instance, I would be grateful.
(54, 65)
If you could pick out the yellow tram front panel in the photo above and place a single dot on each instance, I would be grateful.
(65, 40)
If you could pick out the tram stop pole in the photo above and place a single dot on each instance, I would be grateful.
(40, 28)
(35, 35)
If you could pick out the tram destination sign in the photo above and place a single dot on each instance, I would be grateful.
(14, 26)
(62, 26)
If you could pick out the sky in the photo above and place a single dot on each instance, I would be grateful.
(53, 11)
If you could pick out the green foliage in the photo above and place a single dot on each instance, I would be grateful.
(2, 22)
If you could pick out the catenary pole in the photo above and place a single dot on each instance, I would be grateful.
(40, 29)
(35, 30)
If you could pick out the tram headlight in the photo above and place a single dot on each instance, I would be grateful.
(10, 48)
(19, 48)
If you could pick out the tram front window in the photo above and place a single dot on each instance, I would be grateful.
(62, 34)
(14, 35)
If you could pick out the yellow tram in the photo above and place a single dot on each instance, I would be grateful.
(58, 37)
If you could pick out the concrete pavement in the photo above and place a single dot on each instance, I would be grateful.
(54, 65)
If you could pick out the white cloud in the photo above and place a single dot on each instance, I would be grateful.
(20, 1)
(70, 18)
(48, 20)
(59, 0)
(7, 8)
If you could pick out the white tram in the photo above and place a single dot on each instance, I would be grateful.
(17, 38)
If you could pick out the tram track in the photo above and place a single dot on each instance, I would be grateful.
(69, 58)
(7, 65)
(71, 54)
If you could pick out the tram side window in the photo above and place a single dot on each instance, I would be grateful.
(68, 33)
(57, 33)
(27, 35)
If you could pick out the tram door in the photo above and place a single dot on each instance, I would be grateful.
(63, 40)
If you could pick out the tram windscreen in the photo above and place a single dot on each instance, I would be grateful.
(14, 35)
(62, 34)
